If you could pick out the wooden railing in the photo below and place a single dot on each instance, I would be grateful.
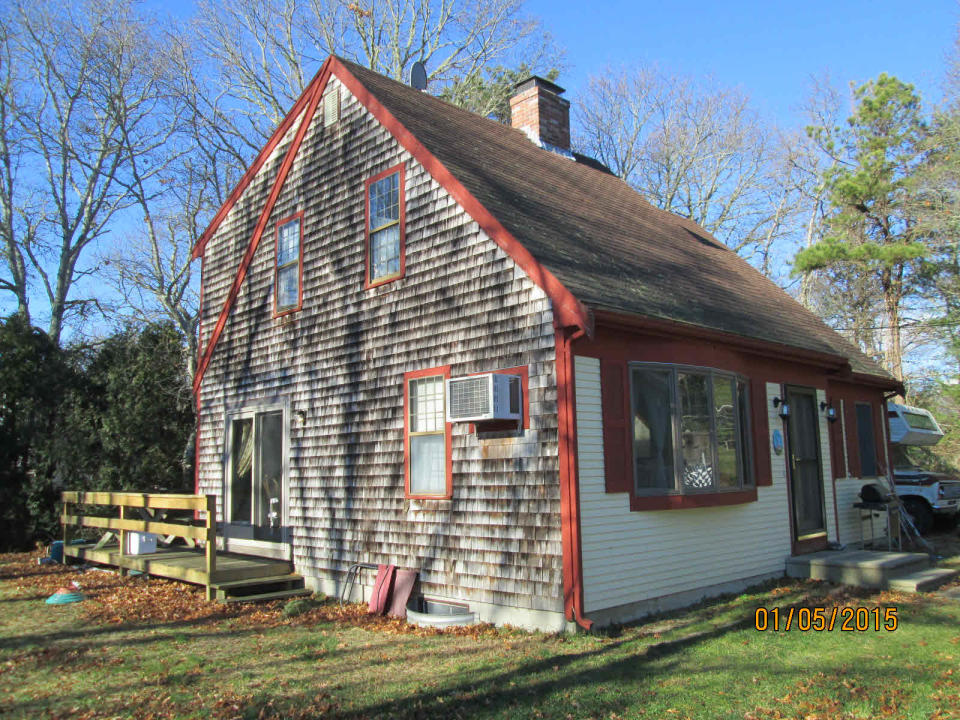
(149, 503)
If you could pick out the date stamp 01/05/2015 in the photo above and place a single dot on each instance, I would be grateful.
(826, 619)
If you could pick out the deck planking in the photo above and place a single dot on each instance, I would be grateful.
(182, 564)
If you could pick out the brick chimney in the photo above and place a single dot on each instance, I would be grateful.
(537, 108)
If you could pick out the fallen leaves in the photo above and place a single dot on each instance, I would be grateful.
(114, 599)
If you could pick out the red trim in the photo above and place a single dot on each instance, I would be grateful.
(261, 158)
(617, 443)
(258, 231)
(367, 284)
(444, 371)
(496, 425)
(675, 329)
(276, 247)
(879, 382)
(680, 502)
(567, 310)
(569, 490)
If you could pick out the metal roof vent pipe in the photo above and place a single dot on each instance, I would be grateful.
(537, 109)
(418, 76)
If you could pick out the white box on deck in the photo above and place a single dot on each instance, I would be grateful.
(139, 543)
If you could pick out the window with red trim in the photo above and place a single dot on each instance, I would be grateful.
(288, 269)
(427, 434)
(690, 429)
(385, 227)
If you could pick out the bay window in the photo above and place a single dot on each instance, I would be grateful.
(691, 430)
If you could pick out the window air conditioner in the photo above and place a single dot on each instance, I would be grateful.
(484, 397)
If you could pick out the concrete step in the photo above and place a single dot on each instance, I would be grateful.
(922, 580)
(276, 595)
(863, 568)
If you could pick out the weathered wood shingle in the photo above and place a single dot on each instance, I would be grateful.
(341, 359)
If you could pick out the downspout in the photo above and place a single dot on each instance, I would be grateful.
(569, 485)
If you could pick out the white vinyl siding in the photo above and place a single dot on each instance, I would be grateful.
(634, 556)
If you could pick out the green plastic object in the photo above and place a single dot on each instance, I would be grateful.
(61, 598)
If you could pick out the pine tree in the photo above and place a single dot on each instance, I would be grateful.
(871, 229)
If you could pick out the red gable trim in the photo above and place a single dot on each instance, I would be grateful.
(316, 92)
(567, 310)
(258, 162)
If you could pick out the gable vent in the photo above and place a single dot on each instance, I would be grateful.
(331, 107)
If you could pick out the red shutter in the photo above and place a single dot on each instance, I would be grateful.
(616, 447)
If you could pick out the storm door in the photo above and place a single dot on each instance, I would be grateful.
(806, 469)
(255, 476)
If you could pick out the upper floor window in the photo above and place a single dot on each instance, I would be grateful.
(691, 430)
(289, 264)
(385, 227)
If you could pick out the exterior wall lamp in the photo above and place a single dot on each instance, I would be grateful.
(784, 411)
(829, 411)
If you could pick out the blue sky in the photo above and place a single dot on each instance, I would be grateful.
(769, 49)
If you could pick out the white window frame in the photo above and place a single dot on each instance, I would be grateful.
(237, 536)
(441, 375)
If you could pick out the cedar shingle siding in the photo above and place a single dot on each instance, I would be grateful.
(341, 359)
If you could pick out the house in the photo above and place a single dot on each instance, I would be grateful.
(384, 242)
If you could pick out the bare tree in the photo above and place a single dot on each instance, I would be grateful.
(18, 224)
(263, 52)
(88, 90)
(169, 186)
(694, 149)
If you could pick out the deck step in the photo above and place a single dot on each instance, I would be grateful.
(275, 595)
(287, 577)
(922, 580)
(259, 588)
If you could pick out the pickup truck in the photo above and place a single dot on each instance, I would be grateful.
(928, 496)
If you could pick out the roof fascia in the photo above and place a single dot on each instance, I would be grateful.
(765, 348)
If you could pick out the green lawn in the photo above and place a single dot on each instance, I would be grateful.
(152, 649)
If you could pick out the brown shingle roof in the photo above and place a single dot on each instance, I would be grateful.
(611, 248)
